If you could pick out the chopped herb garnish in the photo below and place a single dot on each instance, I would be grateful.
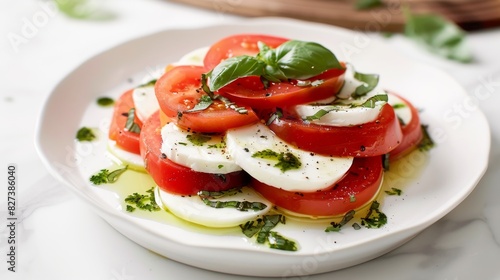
(148, 84)
(286, 161)
(266, 154)
(370, 102)
(130, 208)
(218, 194)
(131, 125)
(398, 106)
(337, 226)
(198, 139)
(276, 115)
(105, 101)
(204, 103)
(352, 198)
(277, 241)
(270, 221)
(263, 229)
(356, 226)
(238, 205)
(320, 114)
(144, 202)
(386, 161)
(85, 134)
(374, 218)
(220, 145)
(370, 81)
(106, 177)
(243, 206)
(426, 143)
(368, 4)
(394, 191)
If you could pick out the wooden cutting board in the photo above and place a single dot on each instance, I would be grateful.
(469, 14)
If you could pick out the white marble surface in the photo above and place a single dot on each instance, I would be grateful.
(60, 237)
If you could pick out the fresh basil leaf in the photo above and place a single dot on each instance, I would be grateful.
(233, 68)
(370, 81)
(204, 103)
(368, 4)
(302, 60)
(438, 35)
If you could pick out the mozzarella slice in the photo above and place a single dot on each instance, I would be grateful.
(187, 149)
(122, 157)
(344, 110)
(400, 108)
(317, 172)
(193, 209)
(145, 102)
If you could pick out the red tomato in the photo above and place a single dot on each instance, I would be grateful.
(175, 178)
(412, 133)
(370, 139)
(244, 44)
(128, 141)
(250, 91)
(357, 188)
(179, 90)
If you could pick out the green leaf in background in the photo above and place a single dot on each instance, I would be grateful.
(83, 9)
(438, 35)
(368, 4)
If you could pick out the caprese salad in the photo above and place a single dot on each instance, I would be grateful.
(256, 122)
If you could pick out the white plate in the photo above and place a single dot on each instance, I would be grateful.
(444, 179)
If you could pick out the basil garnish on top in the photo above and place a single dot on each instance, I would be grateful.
(291, 60)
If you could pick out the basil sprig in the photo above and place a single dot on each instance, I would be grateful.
(291, 60)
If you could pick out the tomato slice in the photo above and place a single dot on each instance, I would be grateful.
(174, 178)
(357, 188)
(243, 44)
(412, 133)
(250, 91)
(370, 139)
(179, 90)
(128, 141)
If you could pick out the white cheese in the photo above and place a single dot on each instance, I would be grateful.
(209, 157)
(193, 209)
(317, 172)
